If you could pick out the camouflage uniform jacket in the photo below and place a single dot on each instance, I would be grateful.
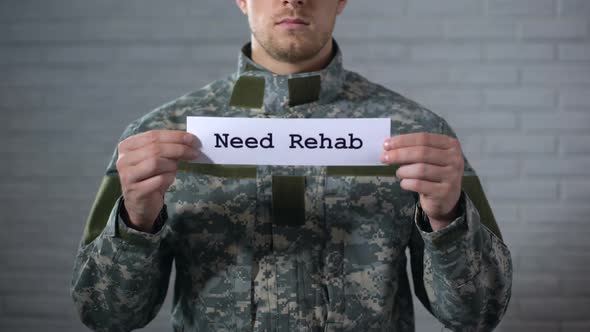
(332, 259)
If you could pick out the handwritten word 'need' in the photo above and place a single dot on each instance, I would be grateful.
(295, 142)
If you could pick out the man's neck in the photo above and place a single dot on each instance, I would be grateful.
(318, 62)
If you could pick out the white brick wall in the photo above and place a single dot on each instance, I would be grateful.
(511, 76)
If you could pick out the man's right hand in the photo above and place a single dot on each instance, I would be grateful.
(147, 167)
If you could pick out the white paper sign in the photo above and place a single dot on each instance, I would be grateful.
(303, 142)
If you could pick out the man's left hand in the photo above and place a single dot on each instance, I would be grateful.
(431, 165)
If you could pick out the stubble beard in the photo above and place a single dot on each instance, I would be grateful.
(298, 47)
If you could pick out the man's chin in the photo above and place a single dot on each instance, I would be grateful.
(294, 55)
(296, 50)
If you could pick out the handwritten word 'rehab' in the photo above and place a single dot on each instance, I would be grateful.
(296, 141)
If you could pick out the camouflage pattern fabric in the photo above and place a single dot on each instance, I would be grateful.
(342, 269)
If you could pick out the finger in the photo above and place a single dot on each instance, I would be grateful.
(416, 154)
(423, 171)
(420, 139)
(149, 168)
(158, 183)
(427, 188)
(157, 136)
(161, 150)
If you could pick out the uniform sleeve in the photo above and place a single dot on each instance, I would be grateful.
(120, 275)
(463, 272)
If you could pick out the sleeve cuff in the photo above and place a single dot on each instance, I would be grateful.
(136, 237)
(454, 252)
(446, 237)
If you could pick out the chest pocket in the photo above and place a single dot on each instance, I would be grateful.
(214, 197)
(368, 222)
(212, 211)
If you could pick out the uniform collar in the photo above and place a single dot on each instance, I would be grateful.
(257, 87)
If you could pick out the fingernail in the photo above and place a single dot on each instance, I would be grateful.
(386, 144)
(189, 139)
(384, 157)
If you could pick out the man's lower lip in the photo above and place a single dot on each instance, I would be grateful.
(290, 25)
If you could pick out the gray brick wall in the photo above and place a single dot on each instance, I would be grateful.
(511, 76)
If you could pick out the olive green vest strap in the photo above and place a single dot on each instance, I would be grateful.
(248, 92)
(219, 170)
(250, 171)
(361, 170)
(473, 188)
(288, 200)
(108, 193)
(304, 90)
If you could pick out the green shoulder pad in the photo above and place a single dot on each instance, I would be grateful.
(472, 186)
(108, 193)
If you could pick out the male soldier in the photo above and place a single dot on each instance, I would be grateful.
(270, 248)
